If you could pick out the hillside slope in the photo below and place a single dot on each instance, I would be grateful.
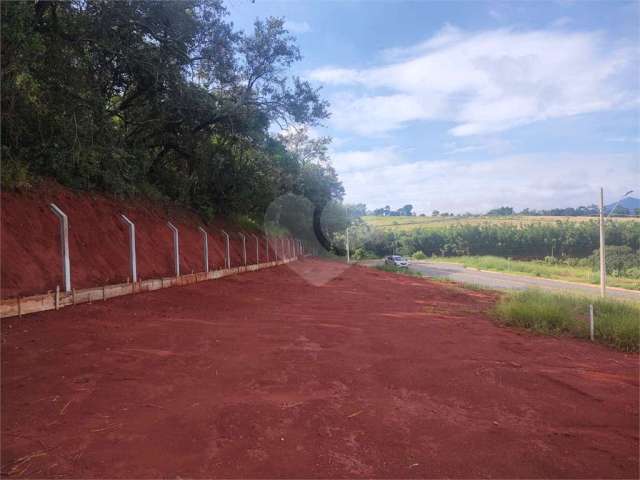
(98, 243)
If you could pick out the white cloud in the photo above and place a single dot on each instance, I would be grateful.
(297, 27)
(483, 82)
(494, 146)
(378, 178)
(358, 160)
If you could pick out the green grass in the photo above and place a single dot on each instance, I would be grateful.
(617, 323)
(538, 268)
(411, 223)
(394, 269)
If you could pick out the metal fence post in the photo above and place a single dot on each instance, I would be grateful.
(176, 247)
(64, 245)
(205, 249)
(133, 267)
(227, 259)
(244, 248)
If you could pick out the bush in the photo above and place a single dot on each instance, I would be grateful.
(617, 323)
(402, 271)
(362, 254)
(621, 259)
(419, 255)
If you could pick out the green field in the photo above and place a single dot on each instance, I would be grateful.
(412, 223)
(538, 268)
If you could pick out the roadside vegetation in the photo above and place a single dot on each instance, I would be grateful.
(409, 223)
(559, 250)
(394, 269)
(165, 100)
(577, 270)
(617, 323)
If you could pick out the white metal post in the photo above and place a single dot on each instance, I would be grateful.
(591, 326)
(257, 248)
(133, 267)
(244, 248)
(205, 249)
(64, 245)
(176, 247)
(603, 265)
(266, 239)
(348, 256)
(284, 253)
(227, 258)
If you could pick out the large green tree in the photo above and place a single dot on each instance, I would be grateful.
(159, 98)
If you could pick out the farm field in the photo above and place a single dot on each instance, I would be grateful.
(406, 223)
(371, 374)
(540, 269)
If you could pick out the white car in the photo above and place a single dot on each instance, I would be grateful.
(396, 261)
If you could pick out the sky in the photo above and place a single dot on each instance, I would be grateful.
(466, 106)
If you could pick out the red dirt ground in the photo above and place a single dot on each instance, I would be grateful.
(98, 241)
(264, 375)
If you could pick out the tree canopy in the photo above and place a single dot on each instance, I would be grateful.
(164, 99)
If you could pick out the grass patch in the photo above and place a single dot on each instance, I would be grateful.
(617, 323)
(541, 269)
(400, 270)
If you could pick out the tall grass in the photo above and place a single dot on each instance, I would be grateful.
(539, 268)
(617, 323)
(394, 269)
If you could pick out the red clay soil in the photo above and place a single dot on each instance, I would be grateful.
(98, 241)
(264, 375)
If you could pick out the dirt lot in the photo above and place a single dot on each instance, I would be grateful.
(266, 375)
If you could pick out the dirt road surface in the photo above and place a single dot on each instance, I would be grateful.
(507, 281)
(264, 375)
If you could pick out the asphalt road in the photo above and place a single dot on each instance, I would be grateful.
(507, 281)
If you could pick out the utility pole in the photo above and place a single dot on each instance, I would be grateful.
(603, 267)
(348, 258)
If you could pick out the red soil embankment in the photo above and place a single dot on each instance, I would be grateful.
(98, 240)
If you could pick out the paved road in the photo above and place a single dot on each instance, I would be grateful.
(497, 280)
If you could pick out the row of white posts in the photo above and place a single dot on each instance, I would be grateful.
(289, 247)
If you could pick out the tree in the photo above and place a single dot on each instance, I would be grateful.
(435, 213)
(501, 211)
(356, 210)
(306, 148)
(158, 98)
(407, 210)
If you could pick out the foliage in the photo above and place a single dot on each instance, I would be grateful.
(362, 254)
(419, 255)
(501, 211)
(616, 323)
(400, 270)
(558, 239)
(162, 99)
(621, 261)
(406, 210)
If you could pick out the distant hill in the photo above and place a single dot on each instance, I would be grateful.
(630, 203)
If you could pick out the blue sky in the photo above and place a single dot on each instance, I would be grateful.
(465, 106)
